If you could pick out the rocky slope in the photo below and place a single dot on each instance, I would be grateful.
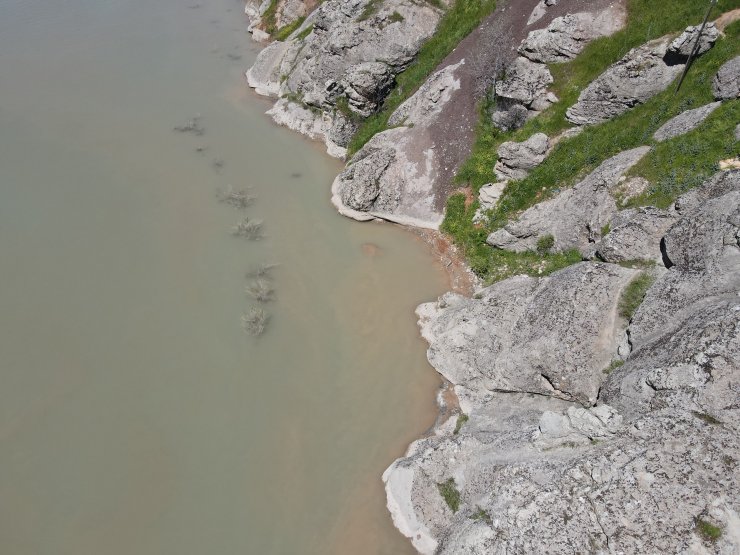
(598, 406)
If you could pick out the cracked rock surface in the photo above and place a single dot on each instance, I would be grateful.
(588, 433)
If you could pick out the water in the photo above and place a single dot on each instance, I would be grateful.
(135, 414)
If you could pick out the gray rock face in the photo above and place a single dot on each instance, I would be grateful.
(516, 159)
(525, 81)
(348, 54)
(637, 77)
(400, 185)
(523, 334)
(635, 473)
(726, 84)
(366, 85)
(685, 122)
(575, 216)
(683, 45)
(635, 234)
(566, 36)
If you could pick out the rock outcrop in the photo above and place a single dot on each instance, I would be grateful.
(683, 45)
(634, 79)
(516, 159)
(726, 84)
(575, 217)
(567, 36)
(685, 122)
(588, 433)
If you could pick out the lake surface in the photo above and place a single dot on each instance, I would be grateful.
(136, 416)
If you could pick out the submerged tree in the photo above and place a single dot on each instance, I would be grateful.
(251, 229)
(191, 126)
(263, 270)
(236, 198)
(260, 290)
(255, 320)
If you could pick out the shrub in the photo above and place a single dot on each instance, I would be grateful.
(545, 244)
(708, 531)
(449, 493)
(462, 418)
(634, 293)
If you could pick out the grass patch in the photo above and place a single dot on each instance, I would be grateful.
(491, 264)
(284, 32)
(674, 166)
(269, 18)
(449, 493)
(633, 294)
(370, 10)
(481, 514)
(708, 531)
(459, 21)
(307, 31)
(396, 17)
(545, 244)
(461, 420)
(613, 365)
(708, 418)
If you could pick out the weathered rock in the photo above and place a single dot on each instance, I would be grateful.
(635, 234)
(488, 198)
(685, 122)
(575, 216)
(518, 335)
(682, 47)
(634, 79)
(629, 188)
(510, 117)
(286, 13)
(726, 84)
(516, 159)
(366, 85)
(637, 472)
(403, 188)
(355, 50)
(525, 81)
(566, 36)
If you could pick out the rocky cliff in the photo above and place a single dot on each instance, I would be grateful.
(598, 404)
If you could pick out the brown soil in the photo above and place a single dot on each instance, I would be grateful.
(455, 132)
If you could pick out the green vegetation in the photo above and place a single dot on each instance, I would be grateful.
(634, 293)
(303, 34)
(269, 18)
(673, 167)
(481, 514)
(462, 418)
(493, 264)
(708, 418)
(462, 18)
(449, 493)
(613, 365)
(545, 244)
(284, 32)
(708, 531)
(396, 17)
(371, 9)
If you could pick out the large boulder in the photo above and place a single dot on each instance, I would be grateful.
(634, 79)
(683, 45)
(525, 82)
(685, 122)
(549, 336)
(565, 37)
(635, 234)
(576, 216)
(726, 84)
(516, 159)
(366, 85)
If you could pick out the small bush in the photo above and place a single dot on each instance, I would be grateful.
(449, 493)
(633, 294)
(545, 244)
(708, 531)
(481, 514)
(613, 366)
(461, 420)
(254, 321)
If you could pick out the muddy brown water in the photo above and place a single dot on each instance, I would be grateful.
(136, 417)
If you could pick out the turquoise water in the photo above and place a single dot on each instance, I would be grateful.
(135, 414)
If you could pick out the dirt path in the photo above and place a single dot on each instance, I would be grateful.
(454, 132)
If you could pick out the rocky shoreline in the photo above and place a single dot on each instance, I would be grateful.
(591, 410)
